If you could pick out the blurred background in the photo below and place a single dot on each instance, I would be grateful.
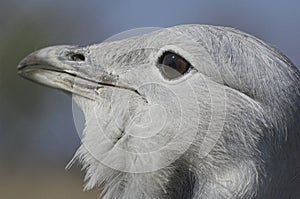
(37, 133)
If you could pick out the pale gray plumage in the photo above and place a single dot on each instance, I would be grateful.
(256, 153)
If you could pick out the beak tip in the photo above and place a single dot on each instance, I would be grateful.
(20, 66)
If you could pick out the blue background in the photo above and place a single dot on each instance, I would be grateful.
(37, 134)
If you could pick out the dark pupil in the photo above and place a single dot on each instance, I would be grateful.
(173, 65)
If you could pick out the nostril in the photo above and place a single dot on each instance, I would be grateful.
(76, 56)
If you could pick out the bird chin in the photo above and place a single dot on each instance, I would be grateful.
(111, 142)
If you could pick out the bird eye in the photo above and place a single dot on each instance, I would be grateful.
(172, 65)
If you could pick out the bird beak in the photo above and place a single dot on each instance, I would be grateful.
(65, 68)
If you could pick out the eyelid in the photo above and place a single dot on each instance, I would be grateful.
(174, 49)
(168, 71)
(161, 58)
(177, 50)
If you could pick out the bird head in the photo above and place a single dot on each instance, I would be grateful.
(201, 101)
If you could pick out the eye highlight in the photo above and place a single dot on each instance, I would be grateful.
(173, 65)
